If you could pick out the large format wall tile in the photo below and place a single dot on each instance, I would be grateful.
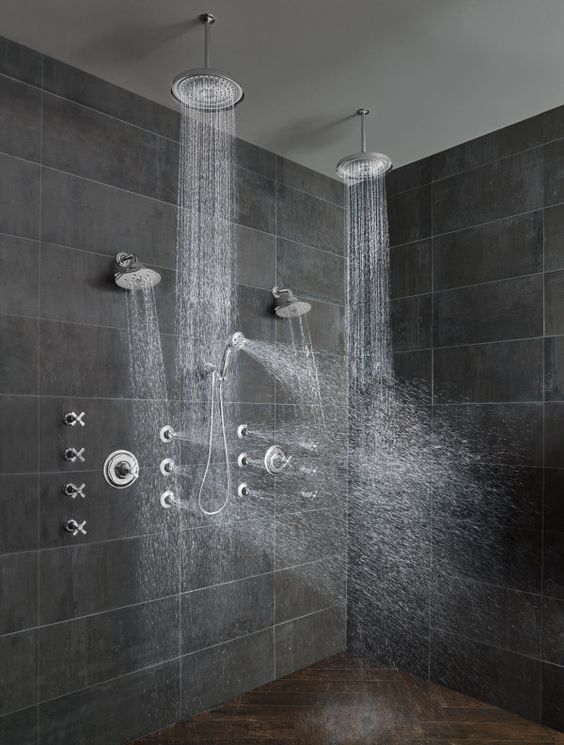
(412, 323)
(18, 686)
(305, 219)
(500, 189)
(410, 268)
(20, 119)
(504, 248)
(19, 276)
(18, 355)
(552, 705)
(18, 507)
(19, 197)
(306, 640)
(20, 727)
(20, 62)
(317, 184)
(310, 272)
(256, 201)
(309, 588)
(82, 141)
(18, 434)
(409, 216)
(18, 592)
(508, 309)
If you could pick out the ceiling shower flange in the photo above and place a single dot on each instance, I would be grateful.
(208, 18)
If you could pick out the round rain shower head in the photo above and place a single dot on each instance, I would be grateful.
(287, 305)
(132, 274)
(203, 88)
(363, 166)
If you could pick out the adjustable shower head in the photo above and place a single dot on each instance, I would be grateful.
(131, 274)
(287, 305)
(235, 341)
(360, 166)
(203, 88)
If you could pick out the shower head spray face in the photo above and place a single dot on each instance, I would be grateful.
(364, 165)
(131, 274)
(203, 88)
(287, 305)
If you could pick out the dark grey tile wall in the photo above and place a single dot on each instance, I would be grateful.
(151, 616)
(477, 236)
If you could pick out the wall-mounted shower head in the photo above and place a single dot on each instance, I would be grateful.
(364, 165)
(131, 274)
(287, 305)
(203, 88)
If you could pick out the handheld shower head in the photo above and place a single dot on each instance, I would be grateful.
(235, 341)
(287, 305)
(131, 274)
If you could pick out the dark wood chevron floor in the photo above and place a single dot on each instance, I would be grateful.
(342, 701)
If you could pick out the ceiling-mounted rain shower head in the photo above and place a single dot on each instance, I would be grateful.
(360, 166)
(131, 274)
(203, 88)
(287, 305)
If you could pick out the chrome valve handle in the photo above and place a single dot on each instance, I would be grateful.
(74, 527)
(72, 490)
(73, 418)
(72, 455)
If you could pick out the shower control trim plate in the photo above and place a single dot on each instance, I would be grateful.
(275, 459)
(121, 469)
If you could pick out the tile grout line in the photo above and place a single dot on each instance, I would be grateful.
(431, 496)
(540, 641)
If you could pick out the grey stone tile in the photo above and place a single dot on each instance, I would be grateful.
(19, 276)
(254, 314)
(553, 502)
(18, 355)
(411, 323)
(310, 272)
(309, 536)
(221, 553)
(305, 219)
(256, 159)
(87, 651)
(554, 238)
(302, 642)
(552, 708)
(504, 371)
(553, 433)
(554, 303)
(554, 368)
(500, 189)
(509, 433)
(506, 248)
(491, 615)
(79, 86)
(314, 183)
(220, 673)
(409, 176)
(20, 119)
(18, 653)
(83, 579)
(82, 141)
(409, 215)
(18, 592)
(20, 728)
(95, 217)
(553, 172)
(324, 323)
(249, 382)
(18, 434)
(508, 309)
(415, 370)
(553, 120)
(255, 258)
(19, 197)
(489, 147)
(118, 711)
(410, 269)
(256, 201)
(20, 62)
(216, 614)
(553, 575)
(310, 588)
(18, 513)
(502, 678)
(552, 644)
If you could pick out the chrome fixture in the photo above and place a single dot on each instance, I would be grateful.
(287, 305)
(242, 431)
(243, 490)
(243, 460)
(166, 434)
(74, 527)
(364, 165)
(275, 459)
(72, 490)
(235, 341)
(168, 499)
(72, 455)
(131, 274)
(167, 466)
(203, 88)
(73, 418)
(121, 469)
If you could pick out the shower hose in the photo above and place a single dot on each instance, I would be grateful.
(218, 379)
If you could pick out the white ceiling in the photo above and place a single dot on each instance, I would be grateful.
(433, 72)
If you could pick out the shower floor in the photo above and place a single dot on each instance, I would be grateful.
(342, 701)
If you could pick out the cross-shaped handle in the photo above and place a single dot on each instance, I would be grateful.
(72, 455)
(74, 527)
(73, 418)
(72, 490)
